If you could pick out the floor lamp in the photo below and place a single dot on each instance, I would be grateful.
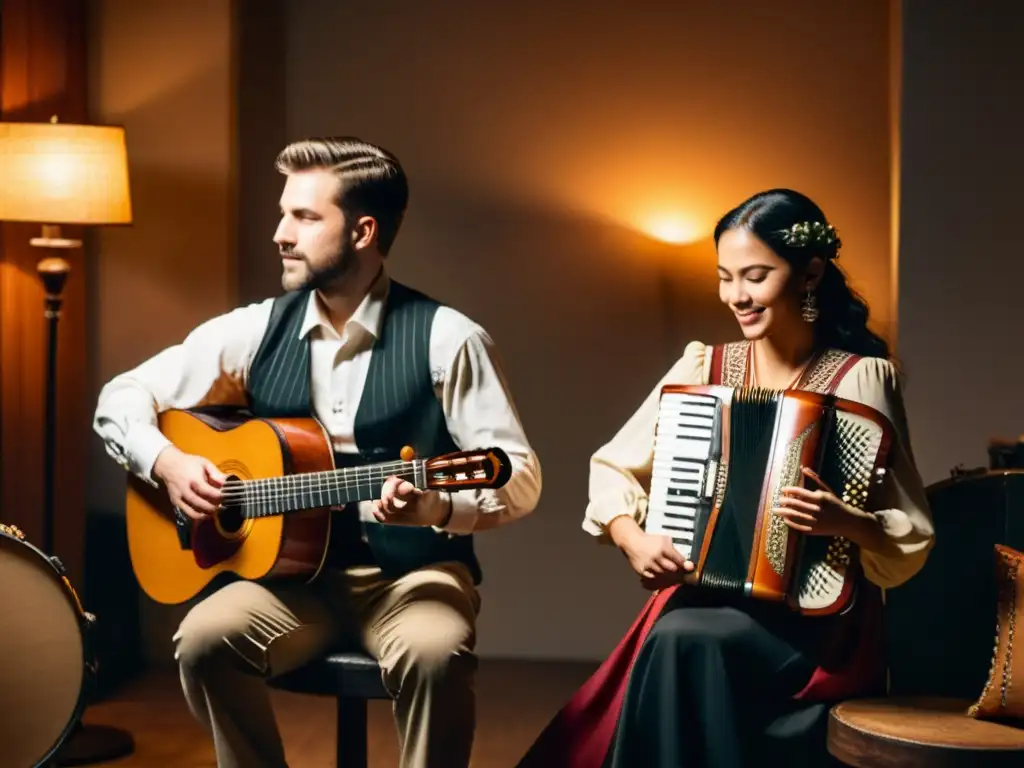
(57, 174)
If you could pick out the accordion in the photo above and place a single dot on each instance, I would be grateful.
(722, 455)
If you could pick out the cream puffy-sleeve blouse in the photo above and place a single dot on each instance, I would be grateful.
(620, 470)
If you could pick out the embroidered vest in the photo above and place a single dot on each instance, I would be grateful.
(398, 407)
(730, 365)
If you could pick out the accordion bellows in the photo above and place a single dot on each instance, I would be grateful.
(1002, 698)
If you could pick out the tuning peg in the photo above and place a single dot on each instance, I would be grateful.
(407, 453)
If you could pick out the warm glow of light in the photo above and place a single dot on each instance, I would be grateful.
(61, 173)
(674, 228)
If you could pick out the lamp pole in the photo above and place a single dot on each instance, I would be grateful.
(53, 272)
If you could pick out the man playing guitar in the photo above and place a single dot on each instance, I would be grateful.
(380, 366)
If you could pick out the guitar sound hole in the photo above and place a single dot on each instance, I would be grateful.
(230, 518)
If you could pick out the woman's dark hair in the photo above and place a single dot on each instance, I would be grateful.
(795, 228)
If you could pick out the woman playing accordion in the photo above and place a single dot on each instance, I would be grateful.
(712, 678)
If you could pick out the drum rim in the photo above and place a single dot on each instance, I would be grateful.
(76, 714)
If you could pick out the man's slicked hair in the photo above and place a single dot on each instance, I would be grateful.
(372, 182)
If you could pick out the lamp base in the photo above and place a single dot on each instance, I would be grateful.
(92, 744)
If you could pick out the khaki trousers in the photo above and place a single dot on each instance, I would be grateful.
(420, 627)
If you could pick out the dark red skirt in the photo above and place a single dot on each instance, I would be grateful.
(580, 734)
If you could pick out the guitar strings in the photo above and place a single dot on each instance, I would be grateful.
(266, 502)
(330, 477)
(268, 489)
(283, 491)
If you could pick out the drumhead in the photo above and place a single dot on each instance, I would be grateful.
(42, 656)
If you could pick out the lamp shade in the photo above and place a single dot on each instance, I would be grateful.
(61, 173)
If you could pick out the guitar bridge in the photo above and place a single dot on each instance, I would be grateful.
(183, 527)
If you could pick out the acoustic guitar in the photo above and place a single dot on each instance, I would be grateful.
(275, 515)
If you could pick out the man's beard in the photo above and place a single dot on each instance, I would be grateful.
(325, 276)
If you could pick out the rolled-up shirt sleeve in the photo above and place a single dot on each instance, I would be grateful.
(901, 505)
(208, 367)
(480, 413)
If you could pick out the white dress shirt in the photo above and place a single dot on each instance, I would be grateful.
(211, 366)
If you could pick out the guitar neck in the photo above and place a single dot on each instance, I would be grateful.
(290, 493)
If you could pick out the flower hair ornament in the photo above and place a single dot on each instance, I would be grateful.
(805, 234)
(811, 234)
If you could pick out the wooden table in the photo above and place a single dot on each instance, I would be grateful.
(920, 733)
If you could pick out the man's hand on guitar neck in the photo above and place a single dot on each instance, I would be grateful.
(192, 482)
(402, 503)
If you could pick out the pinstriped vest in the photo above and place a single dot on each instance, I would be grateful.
(398, 407)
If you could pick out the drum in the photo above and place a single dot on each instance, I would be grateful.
(45, 663)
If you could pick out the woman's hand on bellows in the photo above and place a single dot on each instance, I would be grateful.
(817, 513)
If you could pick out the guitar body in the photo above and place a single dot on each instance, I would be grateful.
(171, 570)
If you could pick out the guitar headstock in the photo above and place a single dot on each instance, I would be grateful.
(465, 470)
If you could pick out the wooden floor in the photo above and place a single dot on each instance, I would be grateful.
(515, 699)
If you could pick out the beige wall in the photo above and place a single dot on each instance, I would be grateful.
(540, 144)
(161, 68)
(537, 139)
(961, 270)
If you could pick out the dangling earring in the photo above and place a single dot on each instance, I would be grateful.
(809, 307)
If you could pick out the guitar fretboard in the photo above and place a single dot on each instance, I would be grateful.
(277, 495)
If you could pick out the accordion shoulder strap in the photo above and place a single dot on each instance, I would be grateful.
(729, 364)
(831, 369)
(826, 372)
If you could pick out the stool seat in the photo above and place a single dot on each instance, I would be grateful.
(345, 674)
(921, 732)
(351, 677)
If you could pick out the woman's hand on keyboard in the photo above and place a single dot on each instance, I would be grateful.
(656, 561)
